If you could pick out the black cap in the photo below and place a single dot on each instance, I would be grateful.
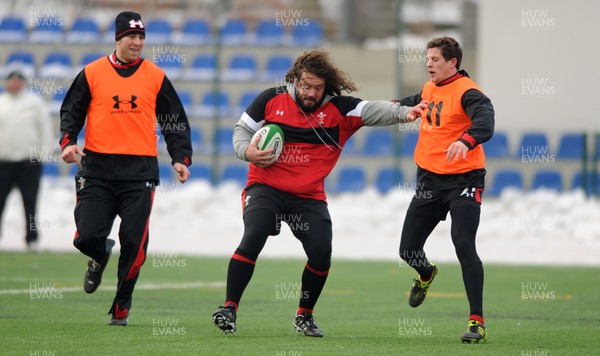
(15, 74)
(128, 23)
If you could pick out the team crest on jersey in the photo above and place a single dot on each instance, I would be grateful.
(81, 183)
(321, 117)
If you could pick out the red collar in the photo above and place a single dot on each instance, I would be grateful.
(120, 64)
(450, 79)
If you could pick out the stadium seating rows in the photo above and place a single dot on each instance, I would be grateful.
(241, 67)
(532, 147)
(193, 32)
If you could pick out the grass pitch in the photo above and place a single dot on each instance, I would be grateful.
(363, 310)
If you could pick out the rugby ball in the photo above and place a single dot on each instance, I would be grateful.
(271, 137)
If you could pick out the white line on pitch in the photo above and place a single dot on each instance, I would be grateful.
(187, 285)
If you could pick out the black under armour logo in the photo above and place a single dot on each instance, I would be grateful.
(119, 102)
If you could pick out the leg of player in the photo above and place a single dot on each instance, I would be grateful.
(95, 212)
(465, 221)
(258, 225)
(415, 232)
(313, 229)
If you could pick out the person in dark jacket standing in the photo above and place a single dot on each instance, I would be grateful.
(123, 97)
(450, 175)
(317, 121)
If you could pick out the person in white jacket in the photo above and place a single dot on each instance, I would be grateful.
(25, 132)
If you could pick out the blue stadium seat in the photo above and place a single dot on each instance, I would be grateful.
(83, 30)
(310, 35)
(47, 30)
(571, 146)
(166, 172)
(388, 178)
(158, 31)
(197, 139)
(194, 32)
(224, 140)
(21, 60)
(57, 100)
(591, 178)
(497, 146)
(109, 35)
(89, 57)
(276, 68)
(51, 170)
(246, 99)
(268, 33)
(408, 142)
(378, 142)
(57, 65)
(204, 67)
(533, 145)
(350, 147)
(200, 171)
(172, 65)
(241, 68)
(504, 179)
(213, 103)
(12, 30)
(351, 179)
(548, 180)
(234, 33)
(236, 173)
(186, 98)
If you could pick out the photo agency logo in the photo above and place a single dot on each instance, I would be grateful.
(537, 154)
(46, 86)
(168, 259)
(44, 154)
(45, 223)
(537, 223)
(288, 353)
(294, 221)
(46, 19)
(289, 291)
(535, 352)
(537, 291)
(413, 327)
(413, 259)
(44, 291)
(537, 87)
(537, 19)
(418, 190)
(412, 54)
(290, 18)
(42, 352)
(292, 155)
(170, 123)
(166, 56)
(167, 327)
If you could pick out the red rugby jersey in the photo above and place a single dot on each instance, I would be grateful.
(312, 140)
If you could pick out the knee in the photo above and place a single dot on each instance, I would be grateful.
(320, 258)
(466, 252)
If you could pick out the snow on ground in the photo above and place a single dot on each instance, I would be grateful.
(539, 227)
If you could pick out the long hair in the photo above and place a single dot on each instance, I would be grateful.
(318, 63)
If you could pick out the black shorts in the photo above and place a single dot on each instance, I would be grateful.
(299, 213)
(437, 203)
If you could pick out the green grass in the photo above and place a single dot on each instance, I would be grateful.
(363, 310)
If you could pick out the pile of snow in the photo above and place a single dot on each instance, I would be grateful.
(540, 227)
